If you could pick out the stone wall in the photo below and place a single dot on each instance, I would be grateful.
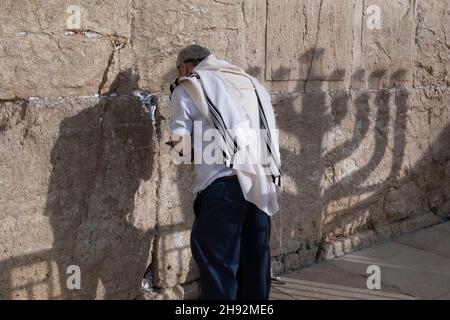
(85, 176)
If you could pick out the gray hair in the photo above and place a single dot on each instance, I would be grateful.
(193, 54)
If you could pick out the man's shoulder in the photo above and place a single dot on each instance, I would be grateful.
(180, 98)
(178, 93)
(178, 83)
(178, 90)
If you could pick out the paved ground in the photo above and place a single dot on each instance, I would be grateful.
(413, 266)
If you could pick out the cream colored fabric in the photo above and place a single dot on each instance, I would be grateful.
(230, 86)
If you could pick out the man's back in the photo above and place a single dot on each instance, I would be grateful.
(184, 116)
(228, 227)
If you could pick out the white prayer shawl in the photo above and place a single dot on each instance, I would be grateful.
(219, 101)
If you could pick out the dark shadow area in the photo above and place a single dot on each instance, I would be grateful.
(339, 203)
(99, 161)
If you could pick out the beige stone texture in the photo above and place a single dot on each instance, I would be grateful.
(77, 180)
(40, 56)
(86, 177)
(432, 65)
(308, 40)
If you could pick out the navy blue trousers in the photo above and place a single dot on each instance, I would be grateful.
(230, 242)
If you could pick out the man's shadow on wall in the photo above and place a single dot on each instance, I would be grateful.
(100, 159)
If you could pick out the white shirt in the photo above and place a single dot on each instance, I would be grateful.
(183, 115)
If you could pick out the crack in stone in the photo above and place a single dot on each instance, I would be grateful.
(117, 45)
(105, 73)
(244, 15)
(315, 46)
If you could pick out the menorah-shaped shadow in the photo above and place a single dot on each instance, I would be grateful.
(360, 132)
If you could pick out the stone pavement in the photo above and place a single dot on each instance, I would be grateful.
(413, 266)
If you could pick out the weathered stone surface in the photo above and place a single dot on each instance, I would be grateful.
(344, 245)
(308, 40)
(76, 180)
(104, 17)
(378, 148)
(444, 226)
(363, 116)
(43, 55)
(160, 32)
(426, 156)
(173, 263)
(389, 48)
(299, 120)
(41, 65)
(432, 56)
(357, 156)
(401, 203)
(357, 149)
(254, 16)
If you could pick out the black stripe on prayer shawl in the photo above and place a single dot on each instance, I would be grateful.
(217, 120)
(266, 126)
(263, 120)
(230, 142)
(219, 123)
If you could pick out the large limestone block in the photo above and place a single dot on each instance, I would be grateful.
(254, 16)
(107, 17)
(432, 54)
(308, 40)
(388, 46)
(78, 187)
(162, 28)
(61, 48)
(42, 65)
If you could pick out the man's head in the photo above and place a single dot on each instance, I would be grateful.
(189, 58)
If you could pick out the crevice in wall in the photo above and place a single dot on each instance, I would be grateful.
(155, 117)
(244, 15)
(154, 265)
(132, 12)
(315, 46)
(117, 44)
(417, 21)
(105, 73)
(266, 40)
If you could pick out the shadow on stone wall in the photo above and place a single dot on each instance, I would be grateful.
(101, 211)
(104, 153)
(100, 159)
(100, 162)
(330, 204)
